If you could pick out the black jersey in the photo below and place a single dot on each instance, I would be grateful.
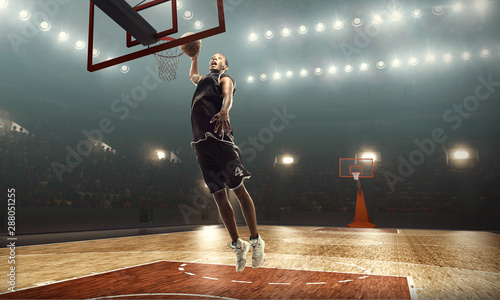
(207, 102)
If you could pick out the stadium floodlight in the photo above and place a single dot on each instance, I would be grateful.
(413, 61)
(485, 53)
(303, 72)
(263, 77)
(63, 36)
(356, 22)
(287, 160)
(396, 16)
(289, 74)
(124, 69)
(338, 24)
(363, 67)
(381, 65)
(45, 26)
(438, 10)
(79, 45)
(277, 75)
(198, 24)
(416, 13)
(332, 69)
(187, 15)
(4, 3)
(250, 79)
(481, 5)
(348, 68)
(377, 19)
(160, 154)
(302, 29)
(447, 57)
(253, 37)
(96, 52)
(460, 154)
(430, 58)
(396, 63)
(179, 4)
(466, 55)
(458, 7)
(24, 15)
(320, 27)
(318, 71)
(269, 34)
(285, 31)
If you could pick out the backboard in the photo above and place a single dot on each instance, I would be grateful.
(124, 30)
(363, 166)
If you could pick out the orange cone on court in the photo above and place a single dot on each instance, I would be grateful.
(361, 217)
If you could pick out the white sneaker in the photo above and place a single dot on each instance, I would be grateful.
(258, 255)
(241, 249)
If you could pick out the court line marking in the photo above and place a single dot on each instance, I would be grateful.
(238, 281)
(279, 283)
(211, 278)
(413, 290)
(164, 294)
(348, 280)
(316, 283)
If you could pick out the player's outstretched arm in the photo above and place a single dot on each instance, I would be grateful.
(222, 117)
(194, 72)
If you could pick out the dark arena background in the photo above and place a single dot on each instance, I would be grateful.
(102, 196)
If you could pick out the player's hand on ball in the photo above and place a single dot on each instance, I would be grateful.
(222, 123)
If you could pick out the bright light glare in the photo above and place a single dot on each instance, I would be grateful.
(371, 155)
(4, 3)
(466, 55)
(287, 160)
(250, 79)
(198, 25)
(320, 27)
(348, 68)
(377, 19)
(63, 36)
(430, 58)
(416, 13)
(160, 154)
(381, 65)
(96, 52)
(318, 71)
(124, 69)
(277, 75)
(364, 67)
(302, 29)
(45, 26)
(289, 74)
(24, 15)
(396, 16)
(179, 4)
(447, 57)
(481, 4)
(461, 154)
(332, 69)
(263, 77)
(396, 63)
(187, 15)
(413, 61)
(303, 72)
(485, 53)
(285, 32)
(458, 7)
(356, 22)
(252, 37)
(79, 45)
(438, 10)
(269, 34)
(338, 25)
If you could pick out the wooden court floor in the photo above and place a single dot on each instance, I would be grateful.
(302, 262)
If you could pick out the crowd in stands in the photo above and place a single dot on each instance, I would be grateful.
(107, 179)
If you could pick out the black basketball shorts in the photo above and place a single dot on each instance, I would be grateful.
(220, 163)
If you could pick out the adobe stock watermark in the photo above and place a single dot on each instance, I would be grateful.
(454, 117)
(30, 29)
(250, 147)
(120, 106)
(363, 37)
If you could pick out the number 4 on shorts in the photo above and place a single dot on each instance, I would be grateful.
(238, 171)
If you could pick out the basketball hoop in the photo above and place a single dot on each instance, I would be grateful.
(355, 175)
(168, 60)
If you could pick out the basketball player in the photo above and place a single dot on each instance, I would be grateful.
(219, 158)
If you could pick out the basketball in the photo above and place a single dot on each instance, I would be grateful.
(190, 49)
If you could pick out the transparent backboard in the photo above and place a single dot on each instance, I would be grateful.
(109, 44)
(363, 166)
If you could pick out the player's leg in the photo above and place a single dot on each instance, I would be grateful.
(248, 209)
(256, 241)
(226, 213)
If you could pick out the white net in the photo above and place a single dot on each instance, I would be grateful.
(168, 61)
(355, 175)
